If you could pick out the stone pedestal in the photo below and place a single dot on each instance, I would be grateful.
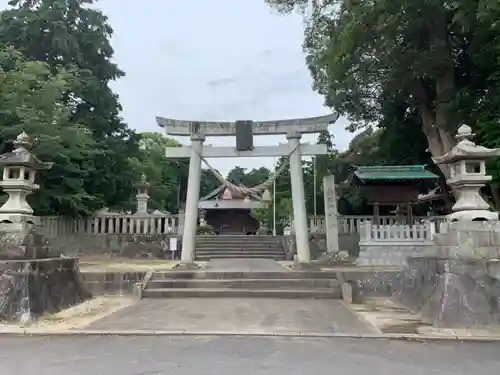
(34, 279)
(451, 292)
(471, 240)
(20, 241)
(459, 286)
(32, 287)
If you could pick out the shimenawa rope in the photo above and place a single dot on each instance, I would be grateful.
(243, 190)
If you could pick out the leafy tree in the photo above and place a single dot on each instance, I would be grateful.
(237, 174)
(69, 35)
(167, 177)
(208, 182)
(438, 58)
(31, 101)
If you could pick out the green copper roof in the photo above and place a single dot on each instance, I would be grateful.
(393, 172)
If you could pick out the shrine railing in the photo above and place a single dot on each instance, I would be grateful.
(110, 223)
(352, 223)
(420, 234)
(114, 223)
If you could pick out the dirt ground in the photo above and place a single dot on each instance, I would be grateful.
(120, 264)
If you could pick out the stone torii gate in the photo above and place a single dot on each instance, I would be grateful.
(244, 132)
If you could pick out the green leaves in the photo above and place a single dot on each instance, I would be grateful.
(31, 101)
(167, 177)
(61, 94)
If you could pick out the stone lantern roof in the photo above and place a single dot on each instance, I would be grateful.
(21, 156)
(466, 149)
(143, 183)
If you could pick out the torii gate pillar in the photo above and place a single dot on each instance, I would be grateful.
(293, 129)
(192, 197)
(298, 199)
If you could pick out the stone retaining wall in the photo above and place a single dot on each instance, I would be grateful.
(451, 292)
(115, 283)
(31, 288)
(126, 245)
(156, 245)
(387, 254)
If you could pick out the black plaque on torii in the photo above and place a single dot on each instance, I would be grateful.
(244, 135)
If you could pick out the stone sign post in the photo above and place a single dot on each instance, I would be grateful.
(331, 215)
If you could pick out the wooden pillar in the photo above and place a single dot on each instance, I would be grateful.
(410, 214)
(376, 214)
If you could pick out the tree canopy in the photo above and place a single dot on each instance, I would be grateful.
(435, 56)
(408, 67)
(404, 73)
(56, 69)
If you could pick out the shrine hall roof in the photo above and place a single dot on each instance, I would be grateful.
(214, 193)
(393, 172)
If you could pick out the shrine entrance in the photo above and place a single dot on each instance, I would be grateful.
(231, 213)
(244, 131)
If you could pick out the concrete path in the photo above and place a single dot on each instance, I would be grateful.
(240, 355)
(233, 315)
(245, 265)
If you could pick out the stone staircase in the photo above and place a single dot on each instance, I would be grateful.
(239, 246)
(253, 284)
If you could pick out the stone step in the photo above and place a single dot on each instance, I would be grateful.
(237, 246)
(239, 238)
(238, 251)
(242, 254)
(231, 275)
(241, 293)
(230, 240)
(262, 284)
(241, 243)
(204, 257)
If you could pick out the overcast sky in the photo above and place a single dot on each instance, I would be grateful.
(212, 60)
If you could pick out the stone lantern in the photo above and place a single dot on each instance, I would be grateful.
(18, 181)
(267, 197)
(467, 162)
(142, 195)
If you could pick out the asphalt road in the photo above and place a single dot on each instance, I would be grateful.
(240, 356)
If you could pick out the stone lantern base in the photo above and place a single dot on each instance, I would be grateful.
(18, 219)
(470, 215)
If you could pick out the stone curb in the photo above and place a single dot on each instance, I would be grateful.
(385, 336)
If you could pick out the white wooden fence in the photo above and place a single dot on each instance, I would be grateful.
(110, 223)
(353, 223)
(158, 223)
(395, 234)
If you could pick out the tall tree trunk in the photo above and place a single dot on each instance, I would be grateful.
(439, 138)
(435, 100)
